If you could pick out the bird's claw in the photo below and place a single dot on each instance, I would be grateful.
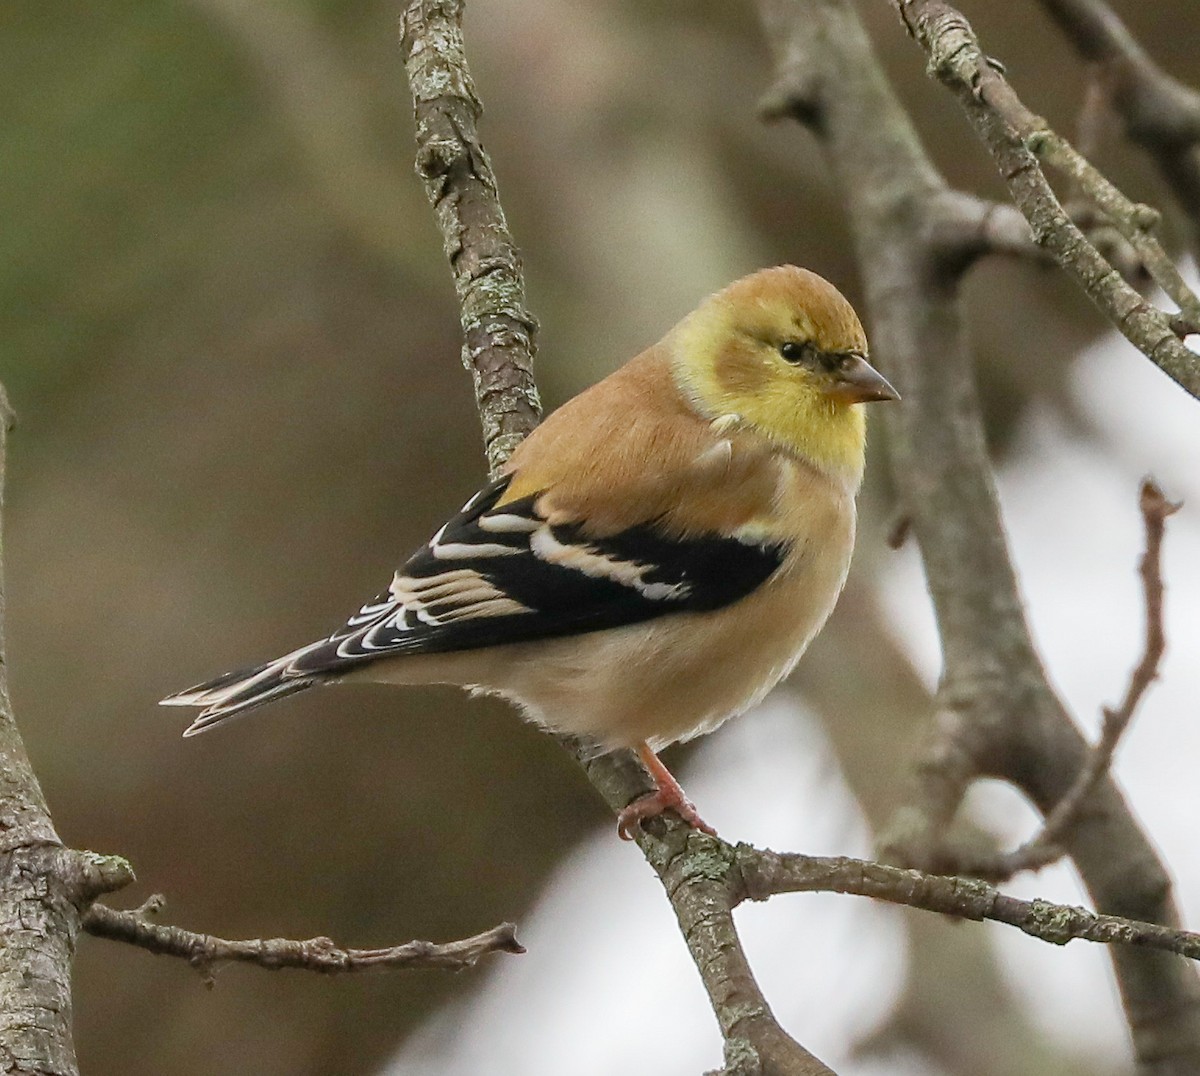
(655, 803)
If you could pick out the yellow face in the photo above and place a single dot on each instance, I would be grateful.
(784, 351)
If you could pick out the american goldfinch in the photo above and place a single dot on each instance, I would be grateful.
(654, 557)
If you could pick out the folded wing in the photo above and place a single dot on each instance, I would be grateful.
(499, 572)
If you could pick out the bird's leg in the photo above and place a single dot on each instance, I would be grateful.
(668, 796)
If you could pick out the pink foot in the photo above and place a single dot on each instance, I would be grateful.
(668, 796)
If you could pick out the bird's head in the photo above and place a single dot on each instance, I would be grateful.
(784, 351)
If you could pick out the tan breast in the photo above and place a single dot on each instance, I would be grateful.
(678, 676)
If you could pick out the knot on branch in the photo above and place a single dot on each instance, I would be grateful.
(946, 35)
(1056, 923)
(1145, 218)
(439, 157)
(90, 874)
(1037, 141)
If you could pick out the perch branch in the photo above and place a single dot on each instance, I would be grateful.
(1016, 138)
(499, 353)
(205, 952)
(498, 329)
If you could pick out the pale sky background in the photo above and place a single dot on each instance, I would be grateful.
(604, 950)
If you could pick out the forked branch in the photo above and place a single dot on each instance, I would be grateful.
(1019, 141)
(1160, 113)
(1045, 847)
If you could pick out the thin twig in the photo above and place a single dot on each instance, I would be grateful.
(205, 951)
(1133, 220)
(1016, 137)
(766, 874)
(1045, 847)
(1160, 114)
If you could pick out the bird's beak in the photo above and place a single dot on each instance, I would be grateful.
(857, 381)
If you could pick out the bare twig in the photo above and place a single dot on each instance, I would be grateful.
(1016, 138)
(766, 873)
(1156, 510)
(1045, 847)
(1160, 114)
(205, 952)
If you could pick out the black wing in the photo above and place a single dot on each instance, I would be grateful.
(503, 574)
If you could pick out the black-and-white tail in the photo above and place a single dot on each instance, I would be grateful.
(241, 691)
(499, 572)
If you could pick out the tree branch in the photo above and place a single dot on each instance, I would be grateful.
(204, 951)
(996, 713)
(1045, 847)
(1016, 137)
(498, 329)
(1161, 114)
(765, 874)
(499, 353)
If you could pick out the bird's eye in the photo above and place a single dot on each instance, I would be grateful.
(793, 352)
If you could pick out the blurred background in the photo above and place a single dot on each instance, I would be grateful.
(230, 337)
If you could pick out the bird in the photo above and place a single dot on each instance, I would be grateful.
(652, 559)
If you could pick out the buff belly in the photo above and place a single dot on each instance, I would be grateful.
(664, 680)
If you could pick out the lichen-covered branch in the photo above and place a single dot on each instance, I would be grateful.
(499, 354)
(498, 329)
(1160, 114)
(997, 715)
(765, 874)
(205, 952)
(1015, 137)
